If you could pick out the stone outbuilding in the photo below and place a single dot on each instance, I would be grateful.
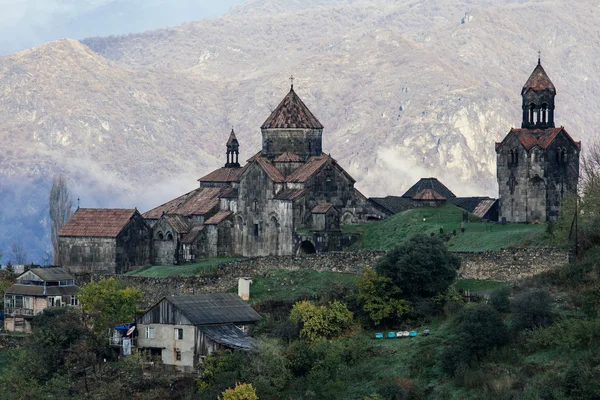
(33, 292)
(538, 164)
(104, 240)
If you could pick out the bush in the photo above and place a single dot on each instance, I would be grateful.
(565, 334)
(420, 266)
(499, 299)
(380, 299)
(243, 391)
(475, 331)
(532, 309)
(321, 322)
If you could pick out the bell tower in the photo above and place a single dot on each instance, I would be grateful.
(538, 100)
(233, 151)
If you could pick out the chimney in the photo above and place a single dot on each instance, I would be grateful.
(244, 288)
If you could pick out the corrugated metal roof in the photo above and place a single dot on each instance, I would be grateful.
(538, 80)
(429, 183)
(229, 336)
(192, 235)
(199, 201)
(321, 208)
(52, 274)
(215, 308)
(97, 222)
(34, 290)
(291, 113)
(218, 218)
(289, 194)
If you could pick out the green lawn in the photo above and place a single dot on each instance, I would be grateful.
(478, 236)
(290, 285)
(201, 267)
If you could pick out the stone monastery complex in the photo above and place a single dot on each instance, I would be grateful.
(290, 197)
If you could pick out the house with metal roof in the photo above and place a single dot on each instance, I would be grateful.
(182, 330)
(33, 292)
(104, 240)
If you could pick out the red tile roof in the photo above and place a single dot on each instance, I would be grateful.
(537, 137)
(218, 218)
(224, 175)
(428, 194)
(199, 201)
(538, 80)
(322, 208)
(288, 157)
(192, 235)
(270, 169)
(312, 165)
(97, 222)
(178, 223)
(291, 113)
(289, 194)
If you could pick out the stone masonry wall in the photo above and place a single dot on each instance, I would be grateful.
(504, 265)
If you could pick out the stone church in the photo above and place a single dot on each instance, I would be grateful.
(290, 197)
(538, 164)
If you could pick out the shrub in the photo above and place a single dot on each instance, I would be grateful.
(475, 331)
(420, 266)
(243, 391)
(379, 298)
(319, 322)
(532, 309)
(564, 334)
(499, 299)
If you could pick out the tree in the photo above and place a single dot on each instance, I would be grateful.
(421, 266)
(108, 302)
(380, 298)
(499, 299)
(532, 309)
(243, 391)
(18, 253)
(60, 205)
(320, 322)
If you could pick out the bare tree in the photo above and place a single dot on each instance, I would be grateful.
(60, 211)
(18, 253)
(590, 168)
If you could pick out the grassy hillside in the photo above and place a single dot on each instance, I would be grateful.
(478, 236)
(203, 266)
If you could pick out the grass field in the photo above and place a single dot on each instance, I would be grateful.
(290, 285)
(478, 236)
(201, 267)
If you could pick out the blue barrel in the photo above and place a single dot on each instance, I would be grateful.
(1, 315)
(413, 333)
(391, 335)
(379, 336)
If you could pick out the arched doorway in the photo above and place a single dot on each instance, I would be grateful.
(306, 247)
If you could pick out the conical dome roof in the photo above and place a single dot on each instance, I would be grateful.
(232, 138)
(292, 113)
(538, 80)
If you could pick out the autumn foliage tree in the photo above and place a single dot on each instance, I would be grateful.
(321, 322)
(242, 391)
(379, 298)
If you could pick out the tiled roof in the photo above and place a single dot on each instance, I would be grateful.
(484, 206)
(393, 204)
(538, 80)
(35, 290)
(199, 201)
(537, 137)
(192, 235)
(288, 157)
(289, 194)
(321, 208)
(429, 183)
(270, 169)
(229, 193)
(218, 218)
(312, 165)
(53, 274)
(178, 222)
(291, 113)
(223, 175)
(232, 138)
(97, 222)
(215, 308)
(428, 194)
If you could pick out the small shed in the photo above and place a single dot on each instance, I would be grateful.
(182, 330)
(325, 217)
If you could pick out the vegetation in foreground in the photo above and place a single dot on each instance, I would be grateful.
(201, 267)
(445, 221)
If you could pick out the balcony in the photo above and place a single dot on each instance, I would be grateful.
(115, 341)
(15, 312)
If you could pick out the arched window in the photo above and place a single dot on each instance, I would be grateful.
(169, 236)
(544, 113)
(255, 205)
(564, 155)
(531, 113)
(558, 155)
(160, 236)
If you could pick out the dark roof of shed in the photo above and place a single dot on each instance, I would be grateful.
(393, 204)
(322, 208)
(291, 113)
(50, 274)
(229, 336)
(192, 235)
(215, 308)
(429, 183)
(538, 80)
(35, 290)
(475, 205)
(97, 222)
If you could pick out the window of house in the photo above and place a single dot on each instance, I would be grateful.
(149, 333)
(18, 301)
(74, 301)
(9, 301)
(179, 333)
(27, 303)
(177, 355)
